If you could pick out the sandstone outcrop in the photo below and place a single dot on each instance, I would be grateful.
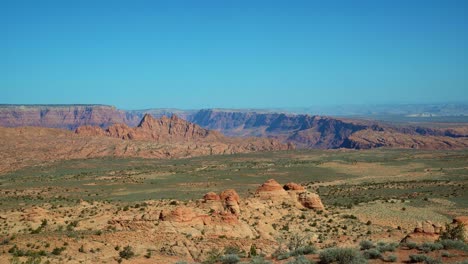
(424, 232)
(291, 193)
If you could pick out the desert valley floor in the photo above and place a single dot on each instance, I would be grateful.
(136, 210)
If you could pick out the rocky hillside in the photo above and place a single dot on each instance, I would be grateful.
(152, 138)
(62, 116)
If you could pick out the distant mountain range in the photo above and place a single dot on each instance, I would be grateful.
(303, 130)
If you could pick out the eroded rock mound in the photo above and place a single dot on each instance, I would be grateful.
(270, 186)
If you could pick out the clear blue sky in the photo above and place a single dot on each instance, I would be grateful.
(197, 54)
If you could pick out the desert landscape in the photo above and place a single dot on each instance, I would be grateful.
(170, 191)
(233, 132)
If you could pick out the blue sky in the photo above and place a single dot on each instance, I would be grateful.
(233, 54)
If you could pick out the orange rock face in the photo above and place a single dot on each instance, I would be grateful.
(291, 186)
(270, 186)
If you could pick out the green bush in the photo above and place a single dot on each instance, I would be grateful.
(341, 256)
(58, 251)
(384, 247)
(230, 259)
(428, 247)
(392, 258)
(372, 253)
(454, 244)
(366, 244)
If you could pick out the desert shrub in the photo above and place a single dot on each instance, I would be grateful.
(454, 244)
(430, 260)
(454, 232)
(366, 244)
(305, 250)
(259, 260)
(58, 250)
(410, 245)
(253, 251)
(447, 254)
(213, 256)
(417, 258)
(372, 253)
(233, 250)
(428, 247)
(299, 260)
(284, 255)
(384, 247)
(127, 252)
(391, 258)
(341, 256)
(230, 259)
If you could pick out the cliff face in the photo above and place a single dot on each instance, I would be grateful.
(67, 116)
